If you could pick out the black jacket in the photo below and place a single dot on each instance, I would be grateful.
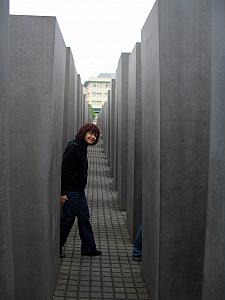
(74, 167)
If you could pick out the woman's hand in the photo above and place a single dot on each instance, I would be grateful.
(63, 199)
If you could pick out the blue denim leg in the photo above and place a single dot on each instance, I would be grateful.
(85, 229)
(69, 212)
(137, 245)
(77, 206)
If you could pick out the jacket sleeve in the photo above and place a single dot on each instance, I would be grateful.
(72, 159)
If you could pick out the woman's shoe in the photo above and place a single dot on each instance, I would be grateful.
(93, 253)
(137, 257)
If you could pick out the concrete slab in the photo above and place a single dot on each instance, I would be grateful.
(214, 267)
(79, 102)
(112, 126)
(134, 150)
(75, 105)
(176, 106)
(115, 138)
(85, 110)
(69, 120)
(122, 102)
(108, 127)
(105, 121)
(7, 286)
(37, 79)
(103, 124)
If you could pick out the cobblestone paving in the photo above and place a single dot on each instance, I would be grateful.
(114, 275)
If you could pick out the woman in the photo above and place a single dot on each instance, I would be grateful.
(73, 183)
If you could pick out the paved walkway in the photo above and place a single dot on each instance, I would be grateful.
(114, 275)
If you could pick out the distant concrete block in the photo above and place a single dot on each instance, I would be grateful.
(113, 141)
(82, 105)
(134, 138)
(104, 116)
(7, 287)
(37, 79)
(115, 160)
(85, 110)
(108, 153)
(122, 102)
(175, 53)
(214, 267)
(79, 102)
(90, 116)
(102, 120)
(75, 105)
(106, 128)
(69, 120)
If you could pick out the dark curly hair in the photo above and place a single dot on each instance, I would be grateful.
(84, 129)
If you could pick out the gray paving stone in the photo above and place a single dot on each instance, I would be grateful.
(71, 294)
(131, 290)
(59, 293)
(72, 288)
(108, 296)
(131, 296)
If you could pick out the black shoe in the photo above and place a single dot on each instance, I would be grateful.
(93, 253)
(137, 258)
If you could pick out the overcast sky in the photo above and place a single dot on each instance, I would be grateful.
(97, 31)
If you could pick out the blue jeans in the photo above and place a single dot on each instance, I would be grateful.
(137, 245)
(77, 206)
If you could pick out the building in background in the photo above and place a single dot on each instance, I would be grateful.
(96, 90)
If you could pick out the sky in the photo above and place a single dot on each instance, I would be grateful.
(97, 31)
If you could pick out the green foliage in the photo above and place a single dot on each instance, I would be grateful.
(91, 111)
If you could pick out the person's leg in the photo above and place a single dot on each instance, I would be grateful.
(67, 218)
(88, 246)
(137, 245)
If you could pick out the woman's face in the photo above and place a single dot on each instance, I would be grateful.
(90, 138)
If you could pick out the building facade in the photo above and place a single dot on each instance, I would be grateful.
(96, 90)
